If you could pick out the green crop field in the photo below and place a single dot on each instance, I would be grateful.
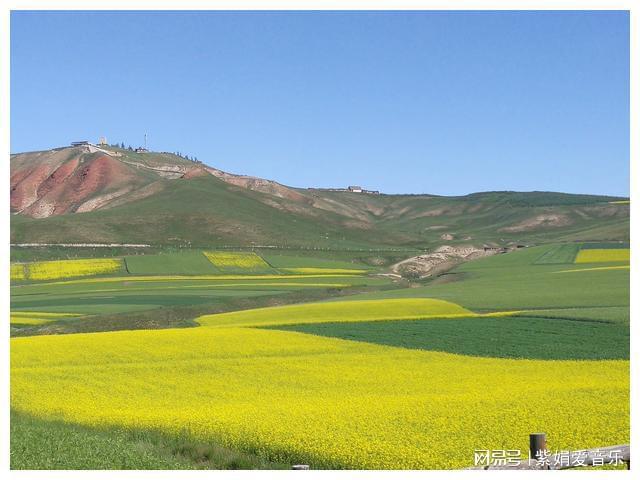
(514, 282)
(604, 314)
(604, 245)
(294, 261)
(110, 295)
(503, 337)
(564, 253)
(183, 263)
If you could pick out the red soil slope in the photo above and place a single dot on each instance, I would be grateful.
(86, 178)
(68, 180)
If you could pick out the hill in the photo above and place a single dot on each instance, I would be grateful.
(112, 195)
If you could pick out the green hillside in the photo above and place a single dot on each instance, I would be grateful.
(199, 206)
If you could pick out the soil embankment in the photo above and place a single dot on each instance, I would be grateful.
(440, 260)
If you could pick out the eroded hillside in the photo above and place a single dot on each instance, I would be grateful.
(89, 193)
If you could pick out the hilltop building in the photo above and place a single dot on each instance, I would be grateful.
(350, 188)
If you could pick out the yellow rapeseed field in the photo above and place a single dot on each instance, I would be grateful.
(17, 271)
(325, 271)
(301, 398)
(57, 269)
(616, 267)
(597, 255)
(342, 311)
(233, 261)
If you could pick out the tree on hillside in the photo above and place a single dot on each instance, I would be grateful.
(122, 145)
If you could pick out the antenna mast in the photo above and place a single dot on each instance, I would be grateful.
(145, 141)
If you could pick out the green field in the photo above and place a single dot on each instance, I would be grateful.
(603, 245)
(294, 261)
(604, 314)
(565, 253)
(180, 295)
(503, 337)
(174, 265)
(185, 263)
(515, 282)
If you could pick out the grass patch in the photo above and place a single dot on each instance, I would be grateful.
(565, 253)
(619, 315)
(192, 262)
(605, 245)
(38, 444)
(502, 337)
(294, 261)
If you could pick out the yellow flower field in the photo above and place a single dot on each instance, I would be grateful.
(616, 267)
(598, 255)
(343, 311)
(232, 261)
(325, 271)
(17, 272)
(57, 269)
(306, 399)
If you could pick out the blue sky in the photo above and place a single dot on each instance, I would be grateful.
(405, 102)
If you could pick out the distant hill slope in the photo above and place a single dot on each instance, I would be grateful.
(90, 194)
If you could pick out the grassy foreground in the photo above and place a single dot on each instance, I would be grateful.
(50, 445)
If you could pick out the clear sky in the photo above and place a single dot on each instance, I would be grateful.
(420, 102)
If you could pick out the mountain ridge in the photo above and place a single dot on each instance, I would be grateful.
(90, 193)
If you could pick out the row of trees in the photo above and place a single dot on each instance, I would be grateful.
(187, 157)
(121, 145)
